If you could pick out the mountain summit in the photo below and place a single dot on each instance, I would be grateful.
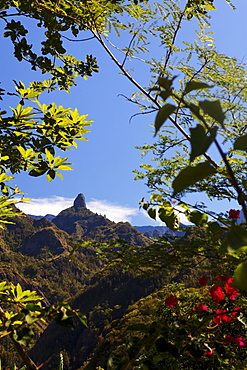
(79, 202)
(84, 224)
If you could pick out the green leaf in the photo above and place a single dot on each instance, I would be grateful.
(195, 110)
(165, 82)
(235, 239)
(24, 336)
(51, 174)
(190, 175)
(213, 109)
(34, 307)
(165, 94)
(167, 215)
(17, 317)
(195, 85)
(18, 291)
(241, 143)
(162, 115)
(200, 141)
(214, 231)
(3, 286)
(63, 168)
(197, 218)
(49, 156)
(145, 205)
(37, 172)
(31, 319)
(240, 274)
(82, 318)
(152, 213)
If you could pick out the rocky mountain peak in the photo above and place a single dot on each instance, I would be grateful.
(79, 202)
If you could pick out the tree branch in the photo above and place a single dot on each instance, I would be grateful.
(145, 92)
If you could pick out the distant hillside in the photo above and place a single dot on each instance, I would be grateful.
(35, 253)
(157, 231)
(107, 299)
(49, 217)
(36, 248)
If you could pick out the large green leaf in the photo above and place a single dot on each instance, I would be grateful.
(82, 318)
(200, 141)
(235, 239)
(152, 212)
(198, 218)
(240, 276)
(195, 85)
(241, 143)
(213, 109)
(166, 82)
(167, 215)
(190, 175)
(214, 231)
(162, 115)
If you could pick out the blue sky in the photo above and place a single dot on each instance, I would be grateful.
(103, 165)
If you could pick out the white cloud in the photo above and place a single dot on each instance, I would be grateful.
(112, 211)
(44, 206)
(55, 204)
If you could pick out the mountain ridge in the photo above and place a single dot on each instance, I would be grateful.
(36, 251)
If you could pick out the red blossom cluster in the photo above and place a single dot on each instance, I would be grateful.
(203, 281)
(238, 340)
(222, 315)
(201, 307)
(209, 353)
(171, 301)
(219, 292)
(234, 214)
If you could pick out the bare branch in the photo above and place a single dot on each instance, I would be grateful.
(73, 40)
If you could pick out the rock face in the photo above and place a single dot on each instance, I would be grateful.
(80, 202)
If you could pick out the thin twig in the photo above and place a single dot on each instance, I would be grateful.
(73, 40)
(132, 56)
(128, 49)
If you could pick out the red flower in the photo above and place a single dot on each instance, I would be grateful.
(228, 339)
(231, 291)
(222, 278)
(208, 353)
(234, 213)
(240, 342)
(203, 281)
(171, 301)
(216, 292)
(201, 308)
(236, 311)
(221, 318)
